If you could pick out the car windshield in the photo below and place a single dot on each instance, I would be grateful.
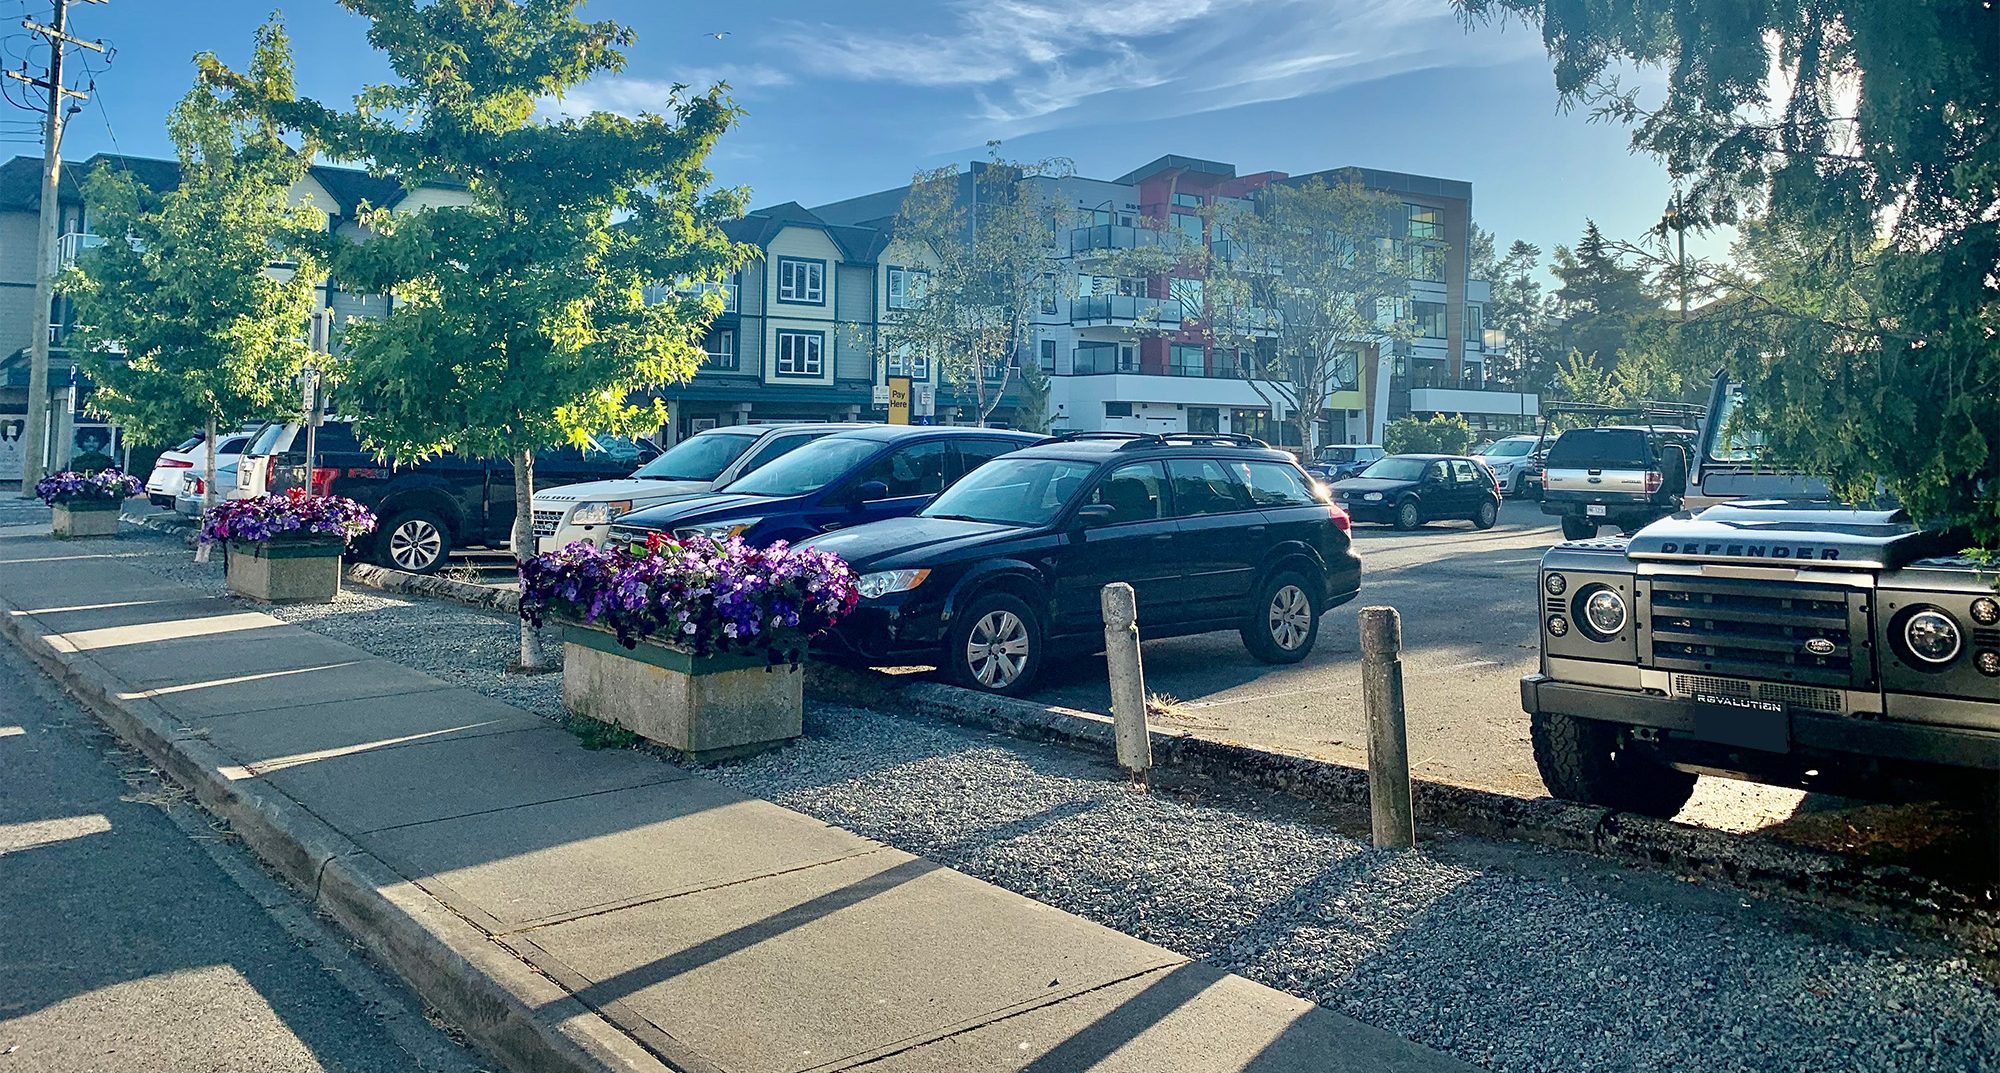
(1397, 469)
(1507, 449)
(270, 440)
(699, 458)
(808, 469)
(1013, 491)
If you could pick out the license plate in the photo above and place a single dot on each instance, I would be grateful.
(1595, 510)
(1743, 722)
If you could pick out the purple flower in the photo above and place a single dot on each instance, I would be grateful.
(295, 513)
(104, 486)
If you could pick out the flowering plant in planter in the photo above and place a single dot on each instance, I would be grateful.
(295, 515)
(708, 597)
(69, 487)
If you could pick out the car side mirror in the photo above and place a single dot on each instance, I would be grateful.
(1094, 514)
(870, 491)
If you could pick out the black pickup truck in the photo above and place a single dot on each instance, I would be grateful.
(428, 508)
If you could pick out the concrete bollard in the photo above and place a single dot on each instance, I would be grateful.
(1128, 679)
(1389, 804)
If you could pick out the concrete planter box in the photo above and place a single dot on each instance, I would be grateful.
(285, 571)
(705, 708)
(86, 518)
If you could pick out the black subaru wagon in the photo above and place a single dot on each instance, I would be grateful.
(1212, 532)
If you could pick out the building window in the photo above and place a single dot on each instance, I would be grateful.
(801, 281)
(1049, 286)
(1118, 409)
(801, 355)
(1426, 262)
(1188, 294)
(1188, 224)
(906, 287)
(1255, 424)
(1186, 361)
(1430, 372)
(1048, 355)
(1204, 419)
(1422, 222)
(914, 368)
(1188, 201)
(1345, 370)
(1429, 318)
(1105, 358)
(721, 349)
(1475, 327)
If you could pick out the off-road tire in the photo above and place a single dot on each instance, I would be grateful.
(1584, 760)
(1408, 515)
(1487, 515)
(1578, 528)
(957, 661)
(1259, 631)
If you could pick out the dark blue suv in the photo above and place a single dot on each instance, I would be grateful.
(837, 482)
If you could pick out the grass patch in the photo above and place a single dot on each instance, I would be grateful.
(599, 735)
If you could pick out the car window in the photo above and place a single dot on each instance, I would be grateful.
(1438, 471)
(1274, 484)
(698, 458)
(191, 443)
(1205, 486)
(1136, 492)
(1508, 448)
(272, 439)
(1016, 491)
(1463, 472)
(779, 447)
(913, 470)
(976, 451)
(1601, 448)
(808, 469)
(231, 446)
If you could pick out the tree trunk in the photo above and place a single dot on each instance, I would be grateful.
(532, 656)
(208, 481)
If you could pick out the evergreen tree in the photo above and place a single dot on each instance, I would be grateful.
(1602, 304)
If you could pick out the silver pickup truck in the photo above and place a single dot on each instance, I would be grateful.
(1627, 476)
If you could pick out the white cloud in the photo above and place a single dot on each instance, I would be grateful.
(1037, 64)
(630, 96)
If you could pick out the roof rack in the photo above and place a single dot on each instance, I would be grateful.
(1213, 439)
(1163, 439)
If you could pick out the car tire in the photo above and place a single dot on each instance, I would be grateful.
(414, 541)
(1487, 515)
(1284, 622)
(1578, 528)
(1585, 760)
(996, 645)
(1408, 515)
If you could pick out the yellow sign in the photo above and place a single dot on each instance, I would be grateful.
(899, 400)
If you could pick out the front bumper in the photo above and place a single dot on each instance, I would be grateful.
(567, 534)
(890, 629)
(1830, 735)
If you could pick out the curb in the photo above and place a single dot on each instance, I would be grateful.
(513, 1013)
(1748, 862)
(464, 592)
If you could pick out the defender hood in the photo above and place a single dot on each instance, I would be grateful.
(1780, 531)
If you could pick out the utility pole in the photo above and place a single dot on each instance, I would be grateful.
(36, 435)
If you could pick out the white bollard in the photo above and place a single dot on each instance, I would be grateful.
(1128, 679)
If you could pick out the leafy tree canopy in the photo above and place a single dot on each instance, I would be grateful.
(1440, 435)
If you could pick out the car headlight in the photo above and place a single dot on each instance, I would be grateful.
(1932, 637)
(884, 582)
(1372, 497)
(1986, 611)
(719, 530)
(1556, 584)
(1603, 612)
(600, 513)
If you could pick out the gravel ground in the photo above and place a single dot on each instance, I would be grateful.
(1509, 957)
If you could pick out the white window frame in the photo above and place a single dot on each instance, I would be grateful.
(806, 357)
(916, 368)
(723, 357)
(905, 287)
(802, 281)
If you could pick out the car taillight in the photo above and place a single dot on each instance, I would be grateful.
(174, 463)
(196, 487)
(322, 480)
(1653, 481)
(1340, 519)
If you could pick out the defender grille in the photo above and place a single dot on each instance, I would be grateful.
(546, 522)
(1756, 630)
(1801, 697)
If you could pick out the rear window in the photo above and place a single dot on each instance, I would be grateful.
(273, 439)
(1601, 448)
(1274, 484)
(191, 443)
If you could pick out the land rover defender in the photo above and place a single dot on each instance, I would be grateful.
(1777, 640)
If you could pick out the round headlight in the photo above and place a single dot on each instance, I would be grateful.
(1558, 626)
(1986, 611)
(1604, 611)
(1556, 584)
(1988, 662)
(1931, 636)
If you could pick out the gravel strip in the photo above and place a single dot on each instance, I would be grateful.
(1512, 958)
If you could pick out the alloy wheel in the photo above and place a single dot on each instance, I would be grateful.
(997, 650)
(416, 544)
(1290, 618)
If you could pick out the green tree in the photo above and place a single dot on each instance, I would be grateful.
(1521, 312)
(520, 320)
(1031, 413)
(1602, 304)
(988, 272)
(1867, 352)
(1312, 276)
(186, 325)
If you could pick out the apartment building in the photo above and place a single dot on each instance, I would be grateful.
(342, 194)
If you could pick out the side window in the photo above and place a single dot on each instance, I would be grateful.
(1438, 472)
(976, 451)
(1135, 493)
(777, 448)
(1274, 484)
(1463, 473)
(916, 470)
(1205, 486)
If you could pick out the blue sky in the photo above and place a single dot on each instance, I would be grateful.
(847, 98)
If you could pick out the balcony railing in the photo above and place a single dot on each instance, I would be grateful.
(70, 246)
(1092, 310)
(660, 292)
(1115, 237)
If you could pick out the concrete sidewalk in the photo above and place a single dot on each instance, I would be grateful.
(573, 909)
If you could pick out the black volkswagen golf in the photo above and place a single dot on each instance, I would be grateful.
(1212, 532)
